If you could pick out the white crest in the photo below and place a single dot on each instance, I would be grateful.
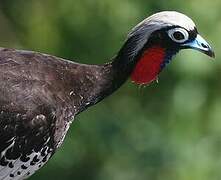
(157, 21)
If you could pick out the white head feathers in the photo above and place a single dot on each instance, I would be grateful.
(156, 22)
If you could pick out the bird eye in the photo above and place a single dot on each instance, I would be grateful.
(178, 35)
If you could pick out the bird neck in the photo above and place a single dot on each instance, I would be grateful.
(113, 75)
(107, 78)
(143, 67)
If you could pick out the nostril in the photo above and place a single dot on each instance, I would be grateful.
(204, 45)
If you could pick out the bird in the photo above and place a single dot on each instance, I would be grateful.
(40, 94)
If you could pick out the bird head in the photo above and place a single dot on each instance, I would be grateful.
(154, 41)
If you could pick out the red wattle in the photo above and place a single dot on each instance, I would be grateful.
(148, 67)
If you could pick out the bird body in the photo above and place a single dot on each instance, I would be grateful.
(41, 94)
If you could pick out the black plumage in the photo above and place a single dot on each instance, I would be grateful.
(41, 94)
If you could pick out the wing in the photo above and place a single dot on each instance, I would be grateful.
(25, 143)
(39, 95)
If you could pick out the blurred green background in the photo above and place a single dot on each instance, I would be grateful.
(166, 131)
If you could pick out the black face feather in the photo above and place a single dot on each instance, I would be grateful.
(161, 38)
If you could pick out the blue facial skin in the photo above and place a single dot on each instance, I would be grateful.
(199, 44)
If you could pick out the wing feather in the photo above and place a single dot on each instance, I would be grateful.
(25, 144)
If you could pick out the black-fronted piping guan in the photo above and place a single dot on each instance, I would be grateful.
(41, 94)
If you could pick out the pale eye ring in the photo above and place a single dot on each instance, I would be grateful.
(179, 35)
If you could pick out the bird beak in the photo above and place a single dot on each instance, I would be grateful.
(201, 45)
